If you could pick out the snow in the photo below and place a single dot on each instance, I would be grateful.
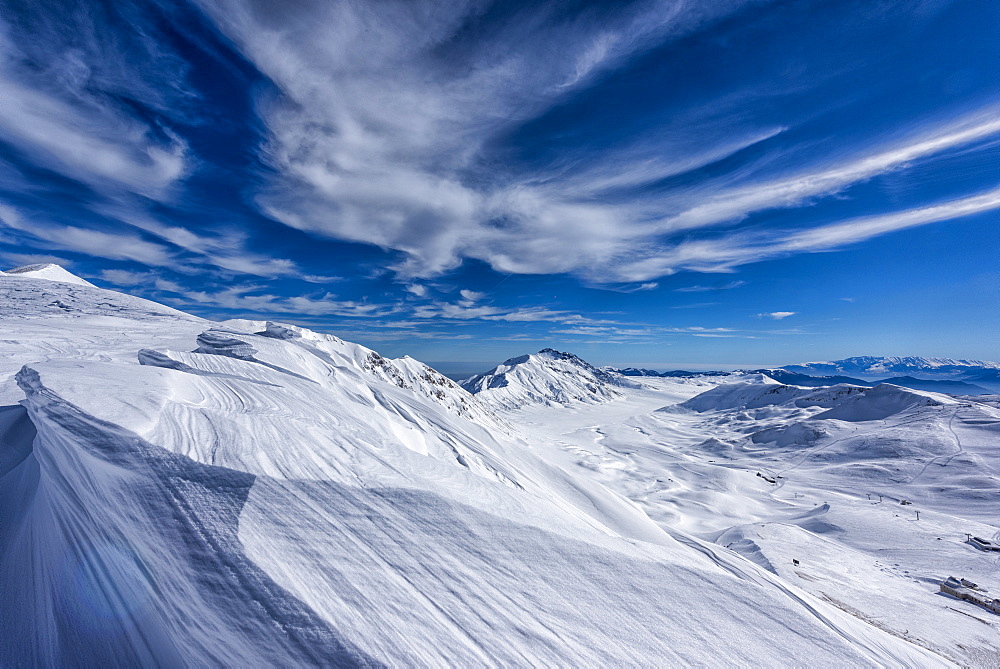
(694, 467)
(549, 377)
(184, 492)
(875, 366)
(49, 272)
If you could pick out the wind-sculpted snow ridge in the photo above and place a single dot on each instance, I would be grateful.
(547, 377)
(405, 372)
(45, 320)
(223, 497)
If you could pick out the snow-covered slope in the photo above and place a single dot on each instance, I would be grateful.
(920, 445)
(874, 366)
(861, 496)
(405, 372)
(42, 320)
(179, 492)
(48, 271)
(546, 377)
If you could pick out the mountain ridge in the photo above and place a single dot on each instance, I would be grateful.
(548, 377)
(880, 365)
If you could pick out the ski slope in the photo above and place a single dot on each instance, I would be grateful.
(698, 458)
(175, 491)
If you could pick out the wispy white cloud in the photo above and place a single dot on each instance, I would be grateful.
(252, 299)
(722, 254)
(77, 132)
(131, 279)
(123, 277)
(628, 288)
(471, 295)
(16, 259)
(736, 203)
(466, 310)
(226, 250)
(704, 289)
(95, 243)
(776, 315)
(377, 134)
(855, 230)
(378, 131)
(319, 278)
(374, 335)
(473, 310)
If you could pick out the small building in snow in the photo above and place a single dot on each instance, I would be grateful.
(970, 592)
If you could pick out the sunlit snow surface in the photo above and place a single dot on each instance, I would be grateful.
(180, 492)
(689, 454)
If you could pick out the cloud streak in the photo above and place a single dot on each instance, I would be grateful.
(722, 254)
(70, 129)
(383, 123)
(381, 128)
(251, 299)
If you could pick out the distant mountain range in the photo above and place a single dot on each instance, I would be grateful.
(942, 375)
(950, 386)
(675, 373)
(873, 366)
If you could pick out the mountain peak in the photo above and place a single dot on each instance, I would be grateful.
(49, 272)
(547, 377)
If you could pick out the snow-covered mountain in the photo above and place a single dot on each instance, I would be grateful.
(874, 366)
(674, 373)
(546, 377)
(924, 446)
(951, 386)
(175, 491)
(982, 381)
(48, 271)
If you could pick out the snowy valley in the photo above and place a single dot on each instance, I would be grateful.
(177, 491)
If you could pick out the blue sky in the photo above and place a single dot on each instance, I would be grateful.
(664, 184)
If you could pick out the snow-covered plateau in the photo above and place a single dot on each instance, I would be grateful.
(176, 491)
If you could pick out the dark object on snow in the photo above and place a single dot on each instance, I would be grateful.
(984, 544)
(795, 562)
